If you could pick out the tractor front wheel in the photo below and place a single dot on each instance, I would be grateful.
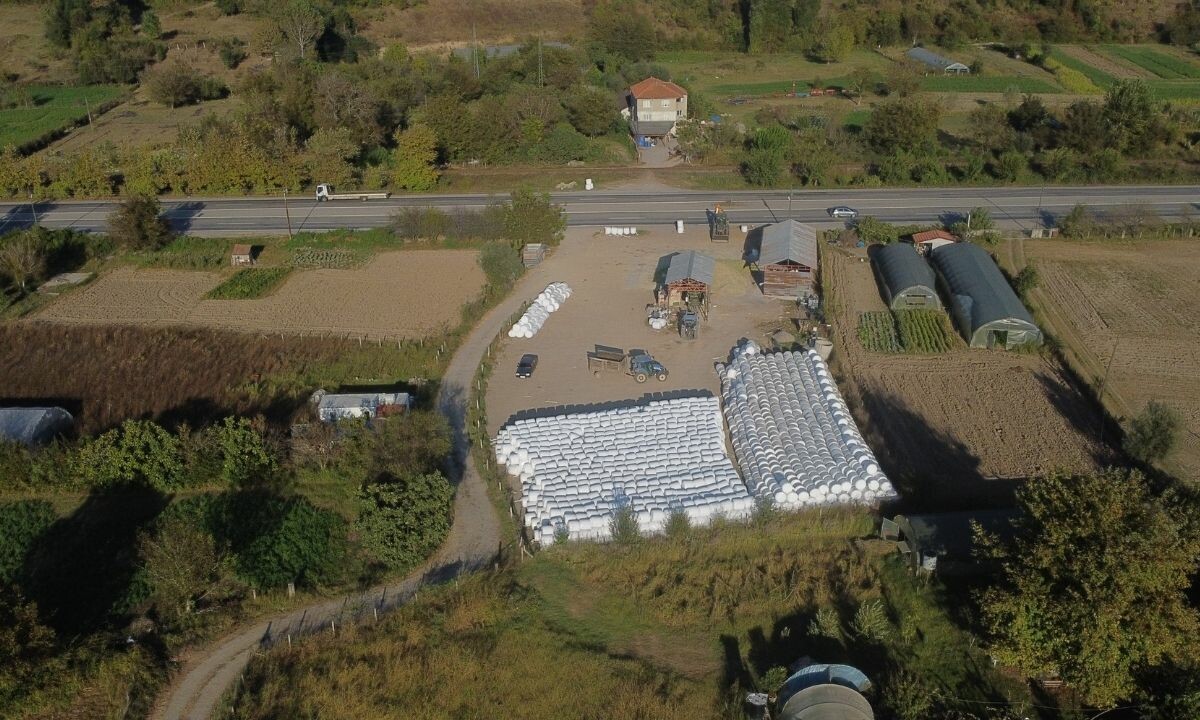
(640, 377)
(662, 377)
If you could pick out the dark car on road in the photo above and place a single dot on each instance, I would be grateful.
(526, 366)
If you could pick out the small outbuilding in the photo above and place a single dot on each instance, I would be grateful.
(930, 240)
(945, 542)
(788, 258)
(933, 60)
(688, 280)
(983, 304)
(32, 426)
(332, 407)
(905, 280)
(241, 255)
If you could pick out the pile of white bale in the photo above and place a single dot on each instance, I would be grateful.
(661, 457)
(545, 303)
(610, 230)
(794, 437)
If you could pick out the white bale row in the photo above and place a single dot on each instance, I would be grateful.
(610, 230)
(546, 302)
(662, 457)
(793, 435)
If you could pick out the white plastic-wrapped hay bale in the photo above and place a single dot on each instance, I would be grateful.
(792, 433)
(547, 301)
(576, 470)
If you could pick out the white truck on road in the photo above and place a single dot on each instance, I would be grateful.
(325, 192)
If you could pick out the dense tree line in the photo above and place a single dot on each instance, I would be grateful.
(179, 524)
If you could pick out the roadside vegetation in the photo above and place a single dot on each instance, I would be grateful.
(198, 486)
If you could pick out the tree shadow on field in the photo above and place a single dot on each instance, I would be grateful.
(1083, 413)
(932, 471)
(734, 673)
(82, 571)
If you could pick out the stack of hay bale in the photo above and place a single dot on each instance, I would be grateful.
(793, 434)
(546, 302)
(665, 456)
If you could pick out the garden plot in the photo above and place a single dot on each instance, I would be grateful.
(793, 434)
(655, 458)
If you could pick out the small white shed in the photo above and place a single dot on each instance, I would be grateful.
(332, 407)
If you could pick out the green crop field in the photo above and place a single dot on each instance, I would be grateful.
(1167, 67)
(1175, 89)
(1098, 77)
(924, 331)
(877, 332)
(986, 84)
(920, 332)
(250, 283)
(47, 109)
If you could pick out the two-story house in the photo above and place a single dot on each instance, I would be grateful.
(655, 106)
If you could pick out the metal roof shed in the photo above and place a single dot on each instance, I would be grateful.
(906, 280)
(788, 258)
(827, 702)
(933, 60)
(689, 274)
(33, 425)
(984, 306)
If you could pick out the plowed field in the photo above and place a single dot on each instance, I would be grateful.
(952, 428)
(1135, 310)
(396, 295)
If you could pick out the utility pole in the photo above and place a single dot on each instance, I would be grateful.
(32, 207)
(474, 51)
(287, 214)
(541, 72)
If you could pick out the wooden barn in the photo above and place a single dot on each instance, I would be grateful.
(688, 280)
(788, 259)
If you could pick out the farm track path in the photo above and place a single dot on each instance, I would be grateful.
(474, 539)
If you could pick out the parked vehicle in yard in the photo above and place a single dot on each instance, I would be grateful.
(636, 363)
(325, 192)
(526, 365)
(689, 324)
(841, 211)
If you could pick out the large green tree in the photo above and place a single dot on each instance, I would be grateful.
(404, 520)
(1093, 587)
(137, 224)
(902, 124)
(415, 162)
(182, 564)
(533, 217)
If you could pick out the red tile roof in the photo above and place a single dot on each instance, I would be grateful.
(654, 89)
(933, 235)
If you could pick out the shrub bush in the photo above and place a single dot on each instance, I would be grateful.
(402, 522)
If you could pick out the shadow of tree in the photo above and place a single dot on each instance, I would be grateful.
(82, 571)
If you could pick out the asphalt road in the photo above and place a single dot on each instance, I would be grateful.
(1024, 207)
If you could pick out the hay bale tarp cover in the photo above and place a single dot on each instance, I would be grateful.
(33, 425)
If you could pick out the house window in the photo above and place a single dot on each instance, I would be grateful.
(666, 103)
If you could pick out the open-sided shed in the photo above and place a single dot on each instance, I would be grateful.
(905, 279)
(984, 306)
(788, 259)
(689, 279)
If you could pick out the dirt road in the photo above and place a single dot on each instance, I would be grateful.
(472, 543)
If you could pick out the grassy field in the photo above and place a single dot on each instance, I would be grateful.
(52, 108)
(1098, 77)
(675, 627)
(986, 84)
(1158, 62)
(249, 283)
(723, 74)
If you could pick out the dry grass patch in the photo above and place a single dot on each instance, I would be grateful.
(455, 22)
(407, 294)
